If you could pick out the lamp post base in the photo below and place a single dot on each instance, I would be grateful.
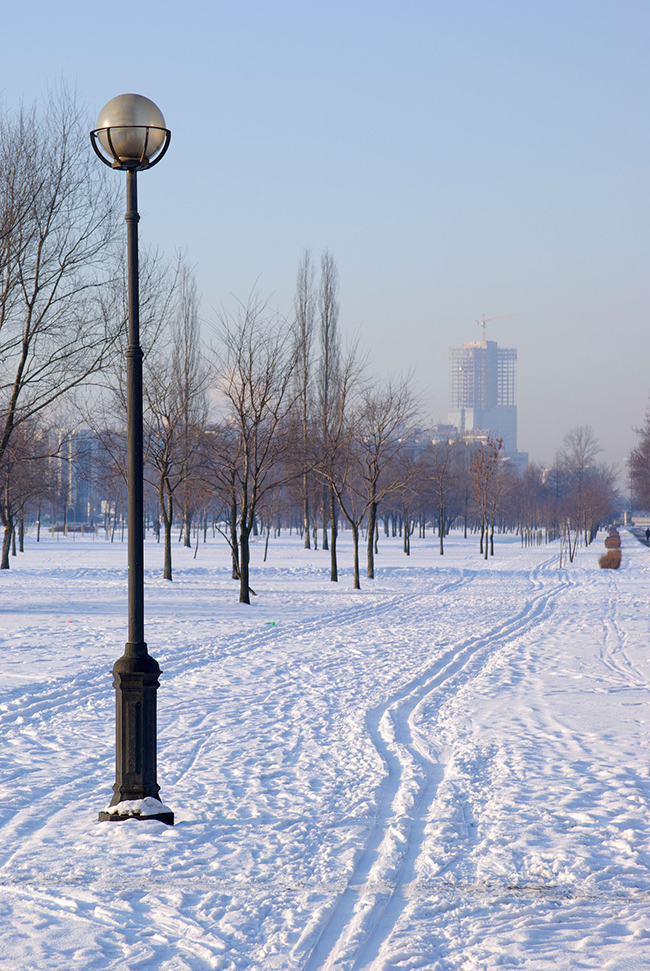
(135, 677)
(143, 809)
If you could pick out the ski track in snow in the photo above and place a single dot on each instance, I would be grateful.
(374, 899)
(539, 849)
(350, 793)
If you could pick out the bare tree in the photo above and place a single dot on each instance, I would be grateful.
(336, 453)
(639, 466)
(254, 368)
(162, 306)
(329, 379)
(386, 412)
(23, 473)
(412, 482)
(175, 410)
(363, 446)
(487, 485)
(304, 337)
(588, 493)
(191, 377)
(533, 500)
(577, 457)
(59, 224)
(445, 471)
(342, 472)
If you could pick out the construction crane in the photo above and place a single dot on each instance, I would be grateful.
(484, 320)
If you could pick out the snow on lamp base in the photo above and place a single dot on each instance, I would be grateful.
(147, 808)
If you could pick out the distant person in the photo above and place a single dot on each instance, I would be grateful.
(647, 535)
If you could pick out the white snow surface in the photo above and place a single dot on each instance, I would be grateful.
(445, 770)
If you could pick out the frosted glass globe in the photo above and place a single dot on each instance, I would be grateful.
(129, 116)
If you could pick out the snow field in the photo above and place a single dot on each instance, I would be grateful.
(447, 770)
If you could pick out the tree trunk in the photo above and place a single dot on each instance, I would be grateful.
(233, 535)
(187, 527)
(355, 541)
(167, 512)
(305, 511)
(244, 561)
(372, 523)
(167, 550)
(6, 544)
(334, 572)
(325, 544)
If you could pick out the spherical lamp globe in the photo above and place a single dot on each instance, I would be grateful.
(131, 128)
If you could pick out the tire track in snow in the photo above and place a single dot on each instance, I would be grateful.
(56, 695)
(365, 609)
(198, 656)
(613, 653)
(362, 919)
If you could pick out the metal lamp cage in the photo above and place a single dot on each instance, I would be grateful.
(117, 162)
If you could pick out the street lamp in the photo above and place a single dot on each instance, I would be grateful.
(131, 136)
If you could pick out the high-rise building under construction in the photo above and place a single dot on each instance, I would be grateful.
(483, 391)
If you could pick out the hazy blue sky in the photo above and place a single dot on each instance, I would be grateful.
(459, 158)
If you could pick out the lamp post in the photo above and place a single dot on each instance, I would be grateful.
(131, 136)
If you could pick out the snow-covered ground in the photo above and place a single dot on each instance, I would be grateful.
(446, 770)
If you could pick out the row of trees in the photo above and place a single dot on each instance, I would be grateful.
(268, 453)
(435, 485)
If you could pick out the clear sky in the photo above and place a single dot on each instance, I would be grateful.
(458, 157)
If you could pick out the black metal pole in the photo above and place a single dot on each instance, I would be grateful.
(136, 672)
(136, 644)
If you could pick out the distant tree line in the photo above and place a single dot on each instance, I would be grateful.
(243, 476)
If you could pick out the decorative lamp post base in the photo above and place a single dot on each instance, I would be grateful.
(135, 677)
(148, 808)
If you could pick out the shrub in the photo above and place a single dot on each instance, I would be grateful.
(610, 560)
(613, 542)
